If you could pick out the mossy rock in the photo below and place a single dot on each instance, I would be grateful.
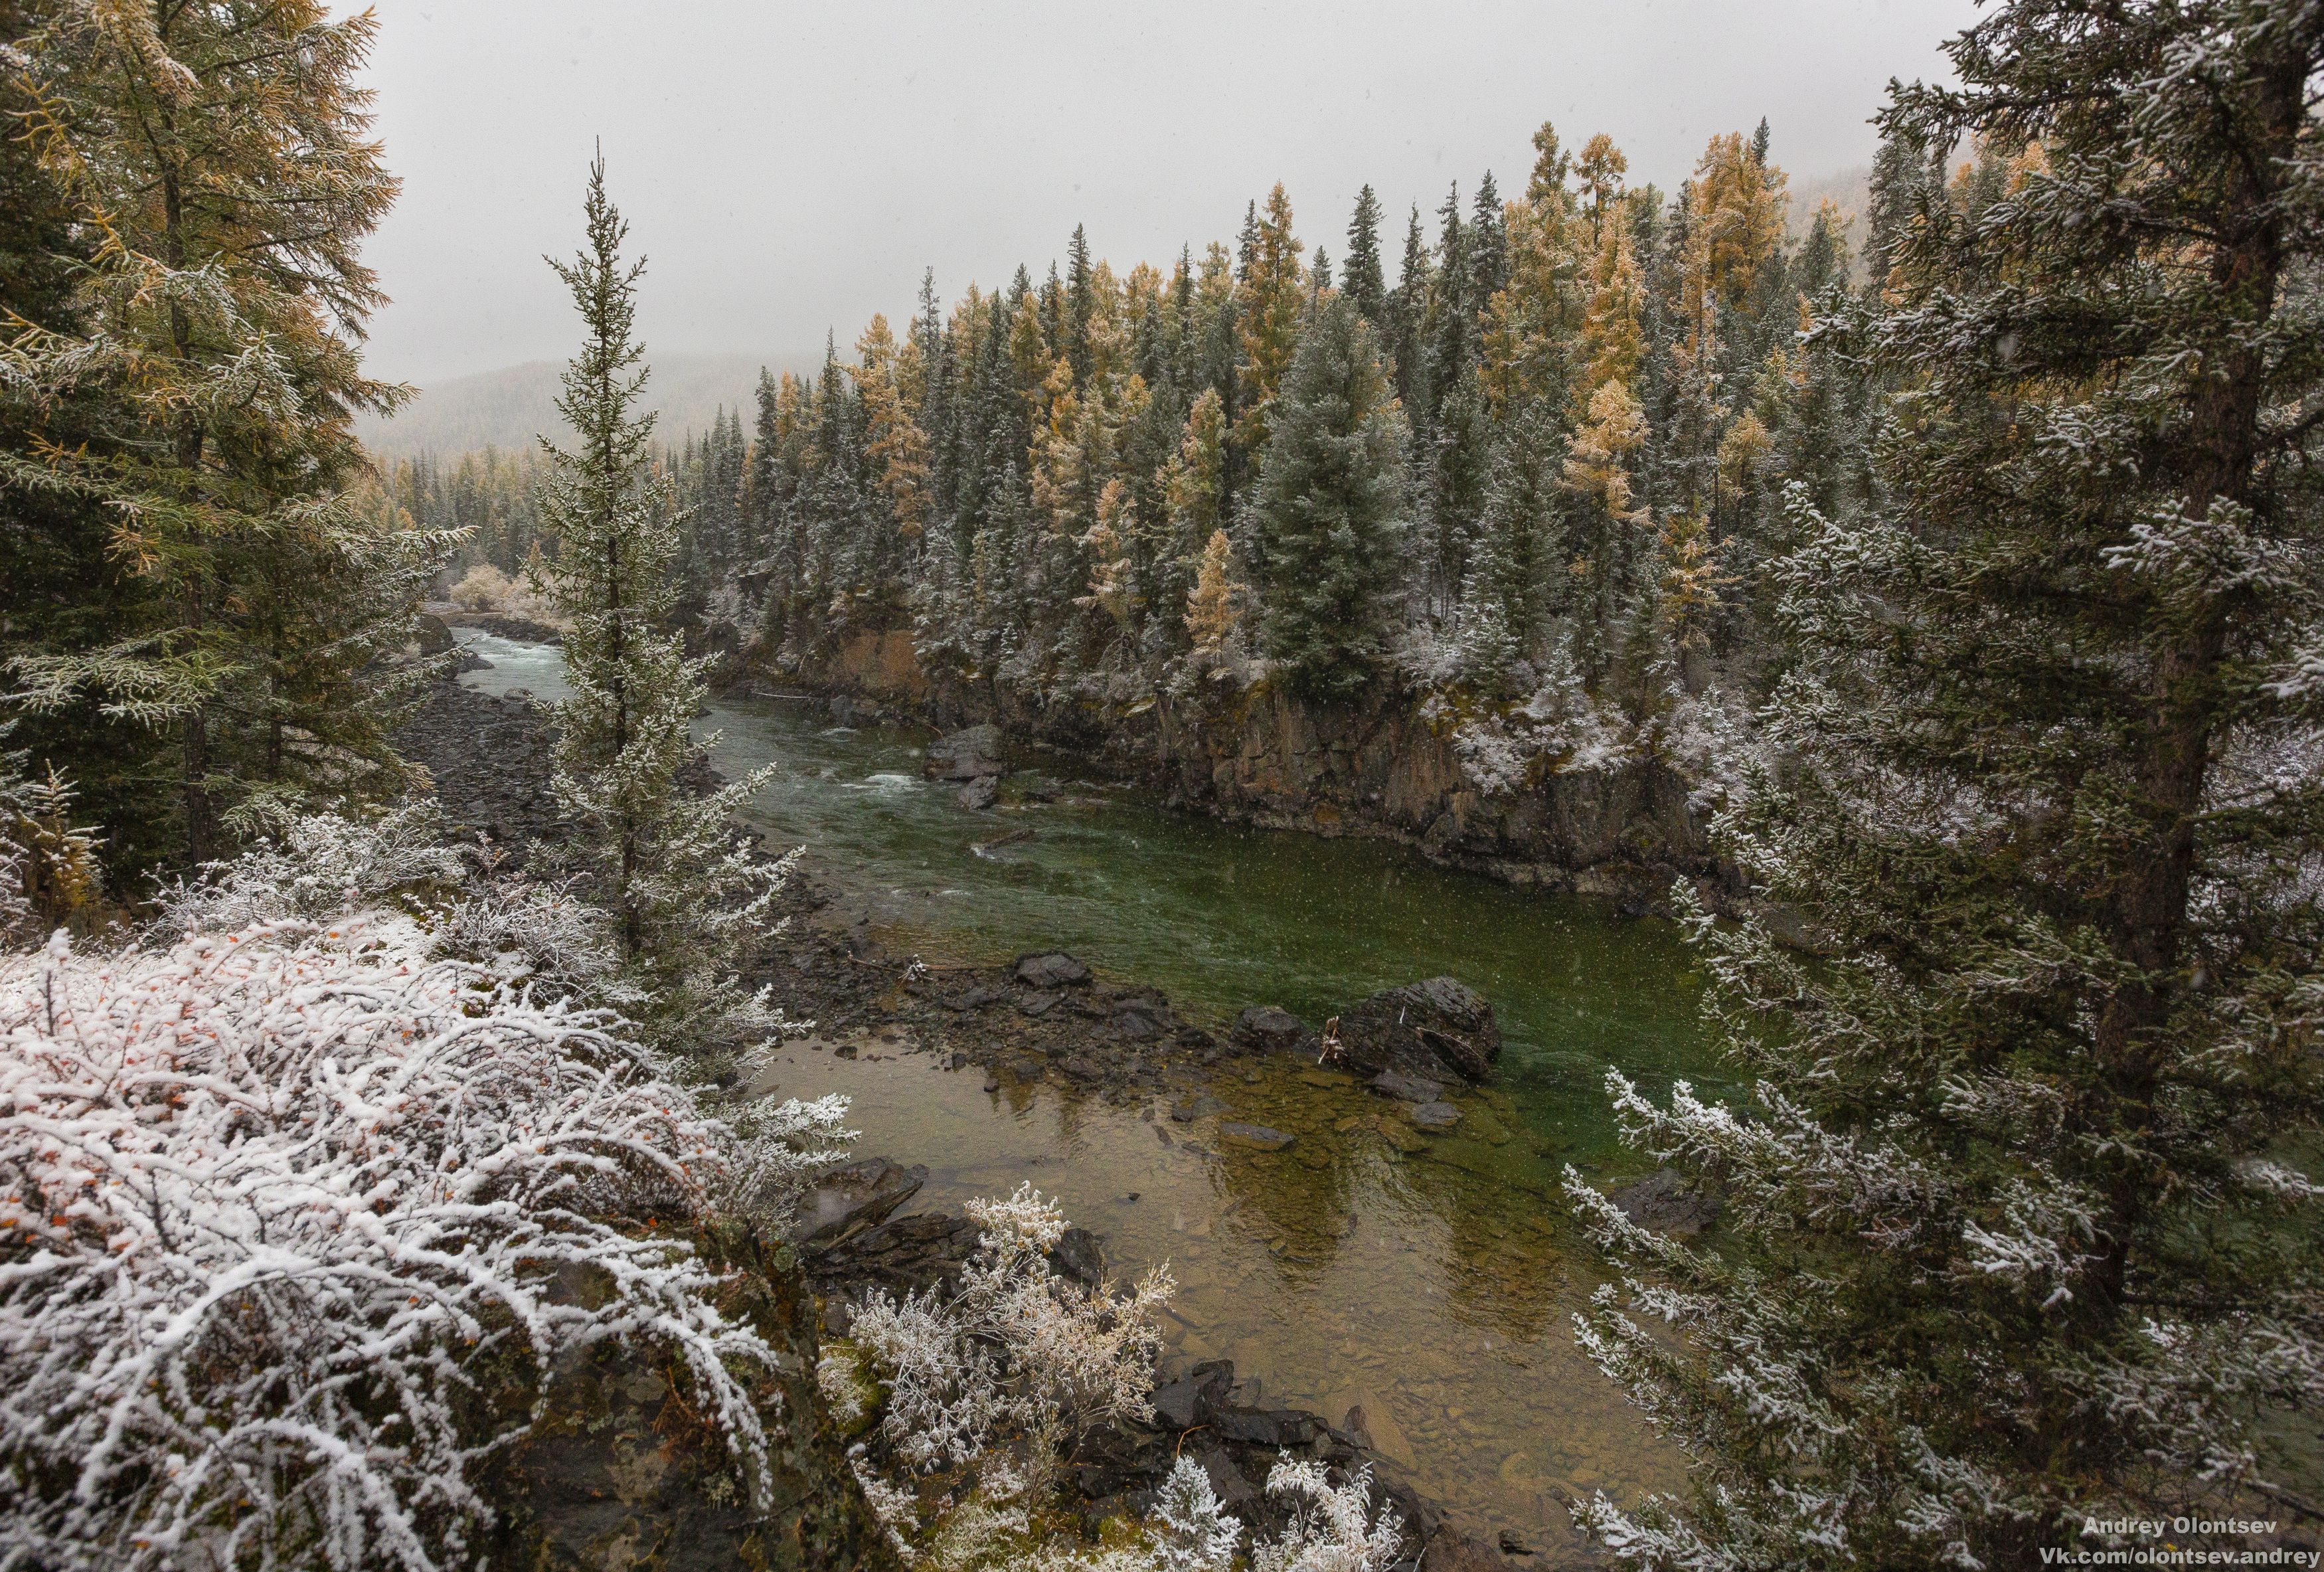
(622, 1475)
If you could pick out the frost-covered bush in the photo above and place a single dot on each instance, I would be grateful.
(277, 1202)
(774, 1151)
(1558, 728)
(316, 865)
(485, 589)
(982, 1389)
(1333, 1527)
(1187, 1529)
(1017, 1350)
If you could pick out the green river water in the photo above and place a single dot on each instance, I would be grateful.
(1431, 1287)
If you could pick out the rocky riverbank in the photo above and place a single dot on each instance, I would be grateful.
(1382, 768)
(1041, 1018)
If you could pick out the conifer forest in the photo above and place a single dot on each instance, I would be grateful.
(1728, 792)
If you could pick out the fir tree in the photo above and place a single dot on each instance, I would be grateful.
(1360, 277)
(2020, 1233)
(1331, 511)
(1408, 309)
(662, 860)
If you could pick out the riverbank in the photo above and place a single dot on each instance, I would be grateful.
(1389, 767)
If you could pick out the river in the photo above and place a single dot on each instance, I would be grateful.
(1433, 1286)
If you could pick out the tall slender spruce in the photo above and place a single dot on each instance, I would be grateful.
(663, 859)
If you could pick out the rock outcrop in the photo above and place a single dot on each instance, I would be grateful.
(1438, 1029)
(854, 1197)
(1265, 756)
(971, 753)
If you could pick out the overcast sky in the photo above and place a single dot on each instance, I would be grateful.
(792, 167)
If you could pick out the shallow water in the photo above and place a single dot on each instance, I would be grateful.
(1432, 1288)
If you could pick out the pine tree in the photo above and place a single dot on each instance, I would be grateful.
(1360, 277)
(1194, 490)
(1078, 304)
(2020, 1236)
(1330, 506)
(1601, 171)
(1214, 602)
(1273, 297)
(190, 376)
(1487, 246)
(664, 862)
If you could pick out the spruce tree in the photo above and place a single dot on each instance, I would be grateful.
(1407, 309)
(1360, 277)
(1330, 506)
(684, 894)
(2020, 1234)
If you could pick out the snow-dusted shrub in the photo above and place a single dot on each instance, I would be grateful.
(1333, 1527)
(980, 1389)
(277, 1202)
(316, 865)
(485, 589)
(1188, 1529)
(1016, 1349)
(775, 1152)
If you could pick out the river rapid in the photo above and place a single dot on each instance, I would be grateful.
(1429, 1281)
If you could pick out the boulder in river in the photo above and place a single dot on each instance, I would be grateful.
(1406, 1088)
(1269, 1029)
(978, 794)
(853, 1196)
(434, 634)
(1050, 969)
(1433, 1030)
(1253, 1137)
(965, 755)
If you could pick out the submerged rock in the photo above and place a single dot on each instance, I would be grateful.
(1406, 1088)
(1436, 1117)
(1254, 1137)
(1194, 1108)
(1431, 1030)
(853, 1196)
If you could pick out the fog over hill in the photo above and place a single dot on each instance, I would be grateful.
(509, 407)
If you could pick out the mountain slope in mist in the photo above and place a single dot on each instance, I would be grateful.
(509, 407)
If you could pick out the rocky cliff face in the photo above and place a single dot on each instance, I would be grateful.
(1267, 757)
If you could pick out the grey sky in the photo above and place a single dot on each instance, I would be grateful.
(789, 167)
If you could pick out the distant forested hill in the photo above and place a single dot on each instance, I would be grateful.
(509, 407)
